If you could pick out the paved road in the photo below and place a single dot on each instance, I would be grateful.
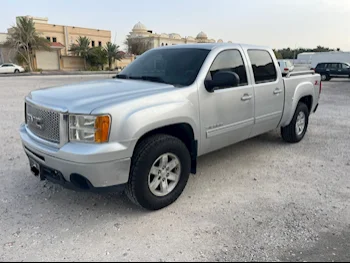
(259, 200)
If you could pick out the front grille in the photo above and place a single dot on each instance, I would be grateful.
(43, 123)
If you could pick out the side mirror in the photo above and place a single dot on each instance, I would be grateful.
(222, 79)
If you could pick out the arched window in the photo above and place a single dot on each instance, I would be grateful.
(166, 44)
(162, 44)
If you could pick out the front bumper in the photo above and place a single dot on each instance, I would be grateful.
(94, 164)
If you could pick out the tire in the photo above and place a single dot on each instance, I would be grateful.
(145, 157)
(325, 77)
(289, 133)
(16, 71)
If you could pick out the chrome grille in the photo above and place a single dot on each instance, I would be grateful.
(43, 123)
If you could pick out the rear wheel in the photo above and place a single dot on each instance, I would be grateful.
(297, 129)
(325, 77)
(16, 71)
(159, 172)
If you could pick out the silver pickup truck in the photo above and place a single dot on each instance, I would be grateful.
(143, 130)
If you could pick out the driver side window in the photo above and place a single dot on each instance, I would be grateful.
(229, 60)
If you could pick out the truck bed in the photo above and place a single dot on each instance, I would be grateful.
(309, 81)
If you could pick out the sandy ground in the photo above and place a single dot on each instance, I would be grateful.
(261, 199)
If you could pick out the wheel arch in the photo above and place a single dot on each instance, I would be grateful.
(304, 92)
(182, 131)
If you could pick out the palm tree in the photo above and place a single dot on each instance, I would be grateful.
(112, 53)
(81, 48)
(24, 39)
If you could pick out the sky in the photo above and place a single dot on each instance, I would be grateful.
(273, 23)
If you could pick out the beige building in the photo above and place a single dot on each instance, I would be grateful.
(164, 39)
(6, 55)
(67, 35)
(61, 38)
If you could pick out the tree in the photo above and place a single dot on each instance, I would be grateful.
(112, 53)
(278, 54)
(97, 56)
(24, 40)
(81, 48)
(137, 46)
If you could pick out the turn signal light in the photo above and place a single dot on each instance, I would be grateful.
(102, 125)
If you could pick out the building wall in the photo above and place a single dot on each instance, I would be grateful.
(72, 63)
(73, 33)
(3, 37)
(7, 55)
(124, 62)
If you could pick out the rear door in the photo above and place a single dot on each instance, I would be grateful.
(334, 69)
(344, 70)
(269, 91)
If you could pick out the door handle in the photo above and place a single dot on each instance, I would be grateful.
(277, 91)
(246, 97)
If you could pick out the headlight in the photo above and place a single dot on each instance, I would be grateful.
(93, 129)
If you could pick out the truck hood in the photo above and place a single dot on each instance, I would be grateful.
(87, 96)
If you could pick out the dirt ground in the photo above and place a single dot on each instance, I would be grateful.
(259, 200)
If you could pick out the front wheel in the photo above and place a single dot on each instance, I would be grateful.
(159, 172)
(296, 130)
(16, 71)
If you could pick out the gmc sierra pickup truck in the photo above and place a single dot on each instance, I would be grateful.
(144, 129)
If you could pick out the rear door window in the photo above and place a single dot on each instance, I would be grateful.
(263, 67)
(334, 66)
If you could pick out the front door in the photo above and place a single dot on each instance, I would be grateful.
(227, 115)
(6, 68)
(269, 91)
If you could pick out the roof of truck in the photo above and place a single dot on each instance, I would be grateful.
(211, 46)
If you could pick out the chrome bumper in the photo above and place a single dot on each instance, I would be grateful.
(101, 165)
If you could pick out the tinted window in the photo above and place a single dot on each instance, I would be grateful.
(263, 66)
(230, 60)
(319, 66)
(178, 66)
(334, 66)
(345, 66)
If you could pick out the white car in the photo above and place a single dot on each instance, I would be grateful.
(11, 68)
(286, 66)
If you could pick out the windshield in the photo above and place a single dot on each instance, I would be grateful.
(178, 66)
